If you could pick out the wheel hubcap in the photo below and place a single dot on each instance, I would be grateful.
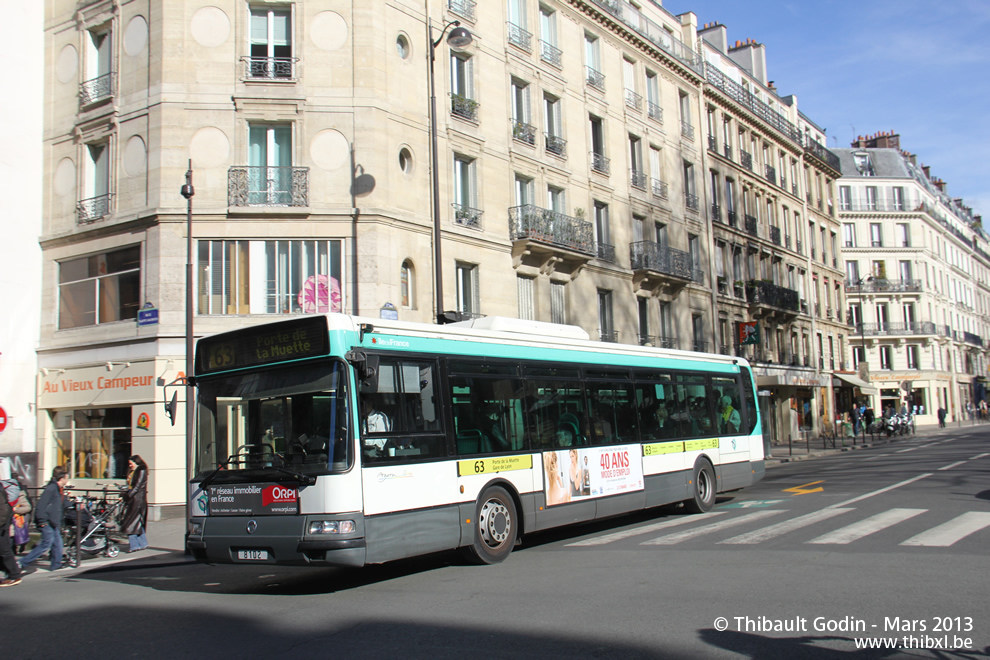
(495, 523)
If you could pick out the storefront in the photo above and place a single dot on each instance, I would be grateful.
(91, 419)
(797, 400)
(851, 390)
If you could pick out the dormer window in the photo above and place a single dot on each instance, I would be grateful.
(863, 163)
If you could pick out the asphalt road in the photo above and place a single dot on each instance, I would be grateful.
(886, 544)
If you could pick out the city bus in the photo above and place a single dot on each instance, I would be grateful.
(334, 440)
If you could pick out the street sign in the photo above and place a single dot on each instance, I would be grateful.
(148, 315)
(3, 420)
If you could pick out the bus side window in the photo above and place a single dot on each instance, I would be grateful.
(400, 420)
(488, 414)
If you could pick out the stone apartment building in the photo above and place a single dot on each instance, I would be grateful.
(917, 265)
(576, 142)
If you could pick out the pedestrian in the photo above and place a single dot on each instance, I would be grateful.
(868, 418)
(21, 534)
(941, 417)
(48, 518)
(855, 420)
(9, 495)
(135, 519)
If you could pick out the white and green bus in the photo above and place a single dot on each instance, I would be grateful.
(337, 440)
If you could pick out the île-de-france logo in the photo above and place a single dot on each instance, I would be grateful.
(144, 421)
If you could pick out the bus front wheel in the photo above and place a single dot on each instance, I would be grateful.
(495, 527)
(703, 489)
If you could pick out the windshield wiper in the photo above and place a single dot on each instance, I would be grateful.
(304, 479)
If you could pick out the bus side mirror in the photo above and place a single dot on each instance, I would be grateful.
(171, 407)
(367, 370)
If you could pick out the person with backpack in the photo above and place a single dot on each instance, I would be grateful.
(48, 518)
(9, 495)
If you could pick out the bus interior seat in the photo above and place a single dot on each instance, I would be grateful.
(472, 441)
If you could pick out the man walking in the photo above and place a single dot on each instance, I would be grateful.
(48, 517)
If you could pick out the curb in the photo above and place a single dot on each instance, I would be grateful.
(35, 571)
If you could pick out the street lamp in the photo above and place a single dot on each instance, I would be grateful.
(187, 191)
(458, 38)
(862, 325)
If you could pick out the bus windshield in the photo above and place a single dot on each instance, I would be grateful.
(294, 417)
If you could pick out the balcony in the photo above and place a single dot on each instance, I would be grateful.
(97, 89)
(463, 8)
(668, 342)
(655, 261)
(775, 235)
(691, 202)
(716, 213)
(463, 107)
(878, 285)
(545, 233)
(896, 329)
(753, 103)
(268, 186)
(771, 174)
(653, 32)
(555, 145)
(523, 132)
(775, 299)
(634, 101)
(465, 216)
(599, 163)
(746, 159)
(638, 179)
(975, 340)
(687, 130)
(93, 209)
(519, 37)
(269, 68)
(822, 154)
(610, 336)
(727, 151)
(752, 227)
(595, 79)
(699, 346)
(605, 252)
(647, 340)
(712, 144)
(551, 54)
(660, 188)
(654, 112)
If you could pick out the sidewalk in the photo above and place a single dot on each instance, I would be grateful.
(800, 450)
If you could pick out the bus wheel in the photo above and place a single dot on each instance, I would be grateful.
(495, 527)
(703, 488)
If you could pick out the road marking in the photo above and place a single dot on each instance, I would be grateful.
(870, 525)
(955, 530)
(979, 456)
(951, 465)
(882, 490)
(761, 535)
(646, 529)
(804, 490)
(930, 444)
(751, 504)
(677, 537)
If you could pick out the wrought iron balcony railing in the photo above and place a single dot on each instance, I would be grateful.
(267, 186)
(667, 342)
(699, 346)
(551, 54)
(462, 106)
(660, 188)
(599, 163)
(822, 154)
(595, 79)
(894, 329)
(605, 252)
(775, 235)
(971, 338)
(767, 293)
(556, 145)
(269, 68)
(463, 8)
(638, 179)
(651, 256)
(716, 213)
(93, 209)
(611, 336)
(878, 285)
(653, 32)
(634, 100)
(712, 144)
(519, 37)
(97, 89)
(647, 340)
(465, 216)
(552, 228)
(727, 151)
(746, 159)
(654, 111)
(523, 132)
(731, 218)
(687, 130)
(752, 226)
(691, 201)
(743, 96)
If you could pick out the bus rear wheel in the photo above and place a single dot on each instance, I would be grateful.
(703, 488)
(495, 527)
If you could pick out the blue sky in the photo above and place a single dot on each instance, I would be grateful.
(920, 69)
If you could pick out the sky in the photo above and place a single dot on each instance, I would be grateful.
(919, 69)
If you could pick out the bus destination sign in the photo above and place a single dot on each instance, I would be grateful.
(281, 342)
(253, 500)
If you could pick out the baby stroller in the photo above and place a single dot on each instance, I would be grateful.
(97, 520)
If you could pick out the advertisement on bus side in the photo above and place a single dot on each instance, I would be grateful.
(572, 475)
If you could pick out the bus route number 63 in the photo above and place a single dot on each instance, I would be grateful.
(221, 355)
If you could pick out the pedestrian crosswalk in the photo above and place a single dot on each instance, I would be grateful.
(771, 524)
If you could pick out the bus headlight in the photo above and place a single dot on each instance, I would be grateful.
(196, 528)
(331, 527)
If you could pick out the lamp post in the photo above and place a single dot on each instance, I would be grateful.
(458, 38)
(188, 192)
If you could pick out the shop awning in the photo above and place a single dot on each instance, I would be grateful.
(848, 380)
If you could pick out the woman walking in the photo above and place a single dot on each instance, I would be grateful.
(136, 512)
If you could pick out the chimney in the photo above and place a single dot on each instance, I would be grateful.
(928, 171)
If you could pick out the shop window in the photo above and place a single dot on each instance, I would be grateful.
(100, 288)
(93, 443)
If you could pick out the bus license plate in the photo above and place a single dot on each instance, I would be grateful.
(253, 555)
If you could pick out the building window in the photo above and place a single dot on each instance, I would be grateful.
(407, 285)
(871, 198)
(549, 51)
(849, 235)
(898, 198)
(462, 101)
(99, 82)
(271, 44)
(98, 289)
(558, 302)
(653, 108)
(270, 277)
(687, 128)
(592, 59)
(637, 174)
(886, 357)
(606, 328)
(527, 307)
(912, 357)
(466, 192)
(270, 181)
(599, 161)
(522, 128)
(93, 443)
(468, 291)
(902, 235)
(96, 184)
(606, 251)
(876, 235)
